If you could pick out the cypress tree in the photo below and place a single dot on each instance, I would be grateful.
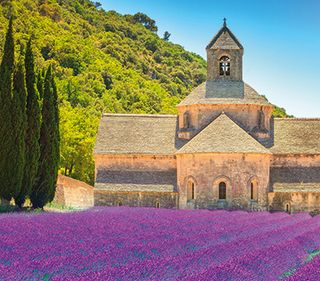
(40, 81)
(7, 190)
(44, 189)
(19, 123)
(32, 146)
(56, 138)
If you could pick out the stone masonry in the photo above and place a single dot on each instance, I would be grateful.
(223, 149)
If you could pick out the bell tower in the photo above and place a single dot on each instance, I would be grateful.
(224, 56)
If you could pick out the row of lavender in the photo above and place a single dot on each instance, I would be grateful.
(151, 244)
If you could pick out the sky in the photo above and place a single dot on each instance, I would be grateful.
(281, 40)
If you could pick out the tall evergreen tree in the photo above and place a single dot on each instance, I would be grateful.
(44, 189)
(40, 80)
(19, 124)
(7, 190)
(32, 145)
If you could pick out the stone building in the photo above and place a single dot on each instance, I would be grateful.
(223, 149)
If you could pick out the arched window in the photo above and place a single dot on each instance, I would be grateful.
(190, 190)
(224, 66)
(254, 190)
(251, 191)
(288, 208)
(222, 191)
(119, 203)
(157, 205)
(186, 120)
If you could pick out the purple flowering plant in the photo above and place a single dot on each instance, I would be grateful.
(157, 244)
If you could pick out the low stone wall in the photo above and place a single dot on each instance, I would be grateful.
(136, 199)
(294, 201)
(73, 193)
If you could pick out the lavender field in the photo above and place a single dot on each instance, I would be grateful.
(155, 244)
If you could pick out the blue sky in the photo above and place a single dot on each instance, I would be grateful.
(281, 39)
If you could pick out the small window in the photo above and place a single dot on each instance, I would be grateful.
(222, 191)
(120, 203)
(288, 209)
(224, 66)
(186, 120)
(254, 190)
(190, 190)
(157, 205)
(251, 191)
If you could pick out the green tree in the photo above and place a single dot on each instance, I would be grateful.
(32, 147)
(19, 124)
(7, 155)
(44, 189)
(146, 21)
(166, 36)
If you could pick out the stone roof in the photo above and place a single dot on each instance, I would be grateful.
(138, 134)
(296, 136)
(224, 92)
(296, 187)
(292, 179)
(227, 37)
(142, 181)
(222, 135)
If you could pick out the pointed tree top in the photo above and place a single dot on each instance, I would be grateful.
(224, 22)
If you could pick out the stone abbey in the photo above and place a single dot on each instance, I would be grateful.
(223, 149)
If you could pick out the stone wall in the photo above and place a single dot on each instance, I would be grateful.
(247, 116)
(135, 180)
(236, 170)
(214, 56)
(73, 193)
(135, 162)
(294, 201)
(136, 199)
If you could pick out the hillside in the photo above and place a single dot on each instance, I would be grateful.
(104, 62)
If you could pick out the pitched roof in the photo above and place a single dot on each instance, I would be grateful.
(293, 179)
(296, 187)
(137, 134)
(222, 135)
(224, 92)
(149, 181)
(227, 37)
(296, 136)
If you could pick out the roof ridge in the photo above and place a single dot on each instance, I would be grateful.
(139, 115)
(298, 119)
(223, 29)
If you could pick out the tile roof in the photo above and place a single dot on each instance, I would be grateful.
(292, 179)
(151, 181)
(232, 43)
(138, 134)
(224, 92)
(222, 135)
(296, 187)
(296, 136)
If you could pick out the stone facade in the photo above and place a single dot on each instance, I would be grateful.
(238, 171)
(136, 199)
(223, 149)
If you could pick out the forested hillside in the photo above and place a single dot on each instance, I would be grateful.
(104, 62)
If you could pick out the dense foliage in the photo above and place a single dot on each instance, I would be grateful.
(158, 244)
(44, 188)
(32, 133)
(18, 130)
(19, 138)
(8, 153)
(104, 62)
